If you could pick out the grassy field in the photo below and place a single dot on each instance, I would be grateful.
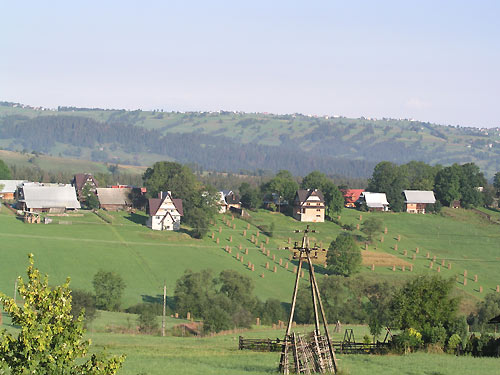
(154, 355)
(59, 164)
(79, 246)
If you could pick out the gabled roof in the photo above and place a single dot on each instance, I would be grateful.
(81, 178)
(303, 195)
(118, 196)
(419, 196)
(53, 196)
(351, 195)
(375, 200)
(10, 186)
(155, 204)
(178, 206)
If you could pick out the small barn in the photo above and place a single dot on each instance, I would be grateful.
(114, 199)
(53, 198)
(8, 189)
(417, 200)
(374, 201)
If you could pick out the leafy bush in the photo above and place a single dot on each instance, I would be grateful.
(108, 288)
(407, 341)
(148, 320)
(83, 300)
(453, 342)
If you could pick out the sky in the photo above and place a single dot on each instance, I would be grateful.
(436, 61)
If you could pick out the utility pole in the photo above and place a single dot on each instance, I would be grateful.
(164, 308)
(321, 345)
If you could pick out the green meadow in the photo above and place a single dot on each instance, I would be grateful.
(81, 244)
(78, 246)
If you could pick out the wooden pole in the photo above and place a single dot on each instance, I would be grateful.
(164, 308)
(316, 320)
(284, 352)
(323, 316)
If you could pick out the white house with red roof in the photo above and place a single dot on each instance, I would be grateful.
(164, 212)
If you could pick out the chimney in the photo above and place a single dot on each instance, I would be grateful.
(163, 194)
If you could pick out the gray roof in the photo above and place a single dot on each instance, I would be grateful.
(53, 196)
(10, 186)
(419, 196)
(119, 196)
(375, 200)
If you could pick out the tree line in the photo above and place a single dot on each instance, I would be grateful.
(464, 183)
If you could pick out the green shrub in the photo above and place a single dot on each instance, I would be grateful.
(453, 342)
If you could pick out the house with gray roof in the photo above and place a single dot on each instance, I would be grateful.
(8, 188)
(374, 201)
(53, 198)
(417, 200)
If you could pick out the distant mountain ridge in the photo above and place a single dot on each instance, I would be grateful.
(228, 141)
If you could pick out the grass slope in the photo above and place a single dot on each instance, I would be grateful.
(79, 246)
(59, 164)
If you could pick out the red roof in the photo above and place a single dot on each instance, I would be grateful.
(351, 195)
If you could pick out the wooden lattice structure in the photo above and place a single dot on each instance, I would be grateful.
(313, 354)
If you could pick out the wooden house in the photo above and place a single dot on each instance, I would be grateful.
(164, 212)
(8, 189)
(417, 200)
(82, 179)
(351, 196)
(114, 199)
(309, 206)
(53, 198)
(374, 201)
(227, 200)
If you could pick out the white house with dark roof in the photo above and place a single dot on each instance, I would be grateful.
(164, 212)
(417, 200)
(309, 206)
(374, 201)
(53, 198)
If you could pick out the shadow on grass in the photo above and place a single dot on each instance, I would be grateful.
(137, 219)
(158, 299)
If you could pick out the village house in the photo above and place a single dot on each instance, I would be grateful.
(417, 200)
(228, 200)
(8, 189)
(82, 179)
(53, 198)
(374, 201)
(164, 212)
(114, 199)
(309, 206)
(351, 196)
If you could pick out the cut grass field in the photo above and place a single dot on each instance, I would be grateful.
(79, 246)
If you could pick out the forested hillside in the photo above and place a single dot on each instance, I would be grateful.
(227, 141)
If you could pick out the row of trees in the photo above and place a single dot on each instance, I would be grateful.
(223, 302)
(455, 182)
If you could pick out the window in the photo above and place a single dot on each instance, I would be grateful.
(318, 215)
(303, 210)
(318, 209)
